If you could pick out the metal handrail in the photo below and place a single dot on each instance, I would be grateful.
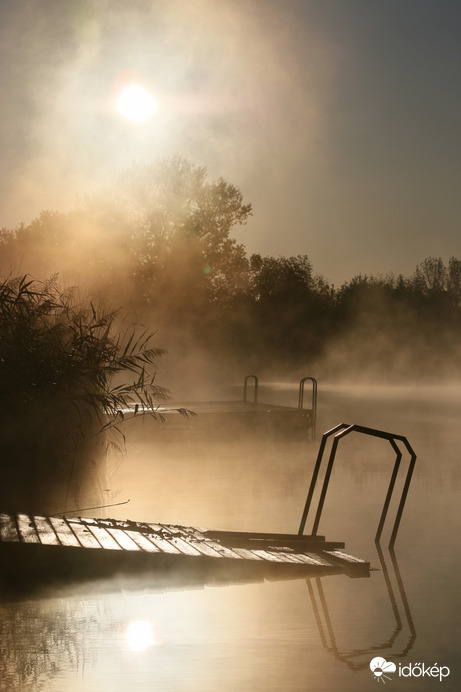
(255, 389)
(339, 432)
(313, 401)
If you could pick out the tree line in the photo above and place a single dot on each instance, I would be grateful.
(159, 243)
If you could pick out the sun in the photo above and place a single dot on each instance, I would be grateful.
(136, 103)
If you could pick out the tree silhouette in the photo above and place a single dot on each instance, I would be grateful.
(172, 230)
(159, 242)
(158, 234)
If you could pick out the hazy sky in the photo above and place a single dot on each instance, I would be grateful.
(339, 119)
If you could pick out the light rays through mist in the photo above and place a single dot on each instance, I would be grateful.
(230, 81)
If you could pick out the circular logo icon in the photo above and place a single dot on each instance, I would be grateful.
(380, 668)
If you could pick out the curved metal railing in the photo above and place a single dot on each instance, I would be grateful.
(313, 401)
(255, 388)
(339, 432)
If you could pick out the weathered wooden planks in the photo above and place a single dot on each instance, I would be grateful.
(46, 533)
(351, 566)
(26, 528)
(87, 548)
(104, 538)
(245, 539)
(83, 534)
(8, 529)
(64, 532)
(143, 541)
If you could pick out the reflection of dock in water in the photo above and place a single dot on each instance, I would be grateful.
(43, 551)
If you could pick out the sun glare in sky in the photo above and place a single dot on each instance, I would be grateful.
(136, 103)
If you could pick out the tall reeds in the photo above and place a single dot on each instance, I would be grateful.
(67, 380)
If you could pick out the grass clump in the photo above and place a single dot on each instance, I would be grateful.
(67, 380)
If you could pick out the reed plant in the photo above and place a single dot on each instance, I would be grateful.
(68, 379)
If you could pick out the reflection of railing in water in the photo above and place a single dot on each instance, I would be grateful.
(339, 432)
(319, 605)
(326, 630)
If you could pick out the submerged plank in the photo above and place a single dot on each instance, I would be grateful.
(352, 566)
(344, 557)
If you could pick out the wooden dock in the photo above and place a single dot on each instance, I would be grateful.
(46, 551)
(224, 419)
(247, 415)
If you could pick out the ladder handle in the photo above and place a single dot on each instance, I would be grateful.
(255, 389)
(339, 432)
(313, 401)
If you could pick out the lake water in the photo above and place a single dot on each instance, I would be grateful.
(295, 635)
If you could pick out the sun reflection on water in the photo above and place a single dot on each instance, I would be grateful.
(139, 635)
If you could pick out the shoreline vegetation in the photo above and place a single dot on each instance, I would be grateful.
(66, 374)
(159, 243)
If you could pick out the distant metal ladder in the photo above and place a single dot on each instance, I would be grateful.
(313, 410)
(339, 432)
(313, 402)
(255, 388)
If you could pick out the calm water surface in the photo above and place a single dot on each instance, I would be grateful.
(295, 635)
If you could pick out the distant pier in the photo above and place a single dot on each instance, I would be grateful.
(247, 414)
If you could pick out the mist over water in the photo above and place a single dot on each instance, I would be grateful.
(266, 636)
(284, 100)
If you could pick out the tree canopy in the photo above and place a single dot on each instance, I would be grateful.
(159, 242)
(159, 230)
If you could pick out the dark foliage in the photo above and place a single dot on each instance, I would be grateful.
(60, 388)
(159, 242)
